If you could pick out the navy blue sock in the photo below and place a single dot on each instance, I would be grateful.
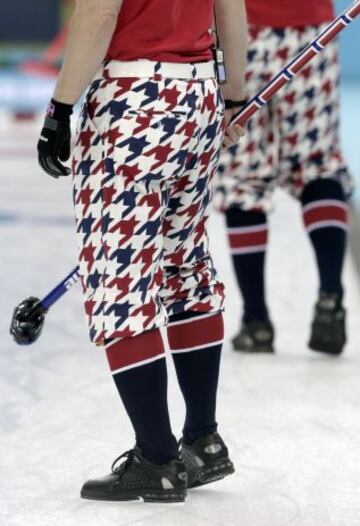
(325, 218)
(248, 232)
(139, 370)
(196, 342)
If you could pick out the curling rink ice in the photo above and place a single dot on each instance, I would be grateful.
(291, 421)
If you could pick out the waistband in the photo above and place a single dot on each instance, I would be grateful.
(150, 69)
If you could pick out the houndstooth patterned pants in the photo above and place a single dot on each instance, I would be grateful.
(146, 151)
(294, 139)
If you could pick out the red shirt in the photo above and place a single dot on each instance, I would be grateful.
(164, 30)
(289, 13)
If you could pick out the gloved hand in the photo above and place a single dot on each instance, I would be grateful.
(55, 138)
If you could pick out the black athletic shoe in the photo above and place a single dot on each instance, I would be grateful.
(255, 337)
(206, 460)
(136, 478)
(328, 333)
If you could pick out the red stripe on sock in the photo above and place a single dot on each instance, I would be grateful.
(248, 239)
(196, 332)
(132, 351)
(325, 213)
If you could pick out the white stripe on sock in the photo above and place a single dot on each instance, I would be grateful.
(323, 203)
(193, 319)
(113, 342)
(248, 250)
(327, 224)
(197, 348)
(247, 229)
(138, 364)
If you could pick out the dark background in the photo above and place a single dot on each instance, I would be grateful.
(29, 20)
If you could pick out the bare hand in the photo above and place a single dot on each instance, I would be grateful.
(233, 132)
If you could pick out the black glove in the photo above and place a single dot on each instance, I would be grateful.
(55, 138)
(235, 104)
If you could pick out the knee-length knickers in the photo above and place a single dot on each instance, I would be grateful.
(146, 151)
(292, 141)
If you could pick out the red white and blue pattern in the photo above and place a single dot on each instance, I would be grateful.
(294, 138)
(145, 153)
(248, 239)
(325, 213)
(328, 34)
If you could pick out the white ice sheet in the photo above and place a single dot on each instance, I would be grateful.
(291, 421)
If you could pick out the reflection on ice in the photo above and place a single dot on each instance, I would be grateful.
(291, 420)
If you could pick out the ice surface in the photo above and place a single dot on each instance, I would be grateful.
(291, 421)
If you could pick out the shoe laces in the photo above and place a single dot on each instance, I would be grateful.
(129, 456)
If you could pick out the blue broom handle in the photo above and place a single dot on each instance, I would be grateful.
(61, 289)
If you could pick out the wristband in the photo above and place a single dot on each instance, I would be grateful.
(59, 111)
(232, 104)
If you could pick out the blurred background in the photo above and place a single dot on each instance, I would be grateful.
(291, 421)
(31, 47)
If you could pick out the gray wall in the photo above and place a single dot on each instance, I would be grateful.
(24, 20)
